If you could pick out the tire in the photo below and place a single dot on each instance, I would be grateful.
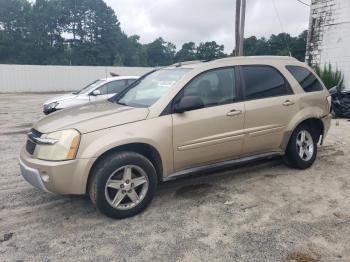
(297, 147)
(126, 174)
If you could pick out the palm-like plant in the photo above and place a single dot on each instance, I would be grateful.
(330, 77)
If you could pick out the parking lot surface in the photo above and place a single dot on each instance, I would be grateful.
(260, 212)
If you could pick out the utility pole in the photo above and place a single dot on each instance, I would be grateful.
(237, 26)
(240, 24)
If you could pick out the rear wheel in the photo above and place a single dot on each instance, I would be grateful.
(302, 148)
(123, 184)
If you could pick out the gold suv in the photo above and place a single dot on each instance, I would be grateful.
(187, 118)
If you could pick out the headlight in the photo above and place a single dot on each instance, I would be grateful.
(58, 146)
(52, 105)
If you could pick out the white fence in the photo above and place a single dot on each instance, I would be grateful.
(33, 78)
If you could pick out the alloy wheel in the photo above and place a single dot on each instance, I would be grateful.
(126, 187)
(305, 145)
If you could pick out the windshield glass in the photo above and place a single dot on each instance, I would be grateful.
(150, 89)
(91, 87)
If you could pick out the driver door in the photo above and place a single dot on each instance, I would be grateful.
(215, 132)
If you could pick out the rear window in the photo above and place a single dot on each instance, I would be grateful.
(306, 79)
(263, 81)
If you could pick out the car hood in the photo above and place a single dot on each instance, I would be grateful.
(60, 98)
(91, 117)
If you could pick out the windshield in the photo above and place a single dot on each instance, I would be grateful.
(150, 89)
(91, 87)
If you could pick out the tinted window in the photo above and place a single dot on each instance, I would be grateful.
(306, 79)
(113, 87)
(262, 82)
(91, 87)
(130, 81)
(216, 87)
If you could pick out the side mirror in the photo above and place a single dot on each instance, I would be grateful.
(188, 103)
(96, 93)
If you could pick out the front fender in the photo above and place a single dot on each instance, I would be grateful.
(155, 132)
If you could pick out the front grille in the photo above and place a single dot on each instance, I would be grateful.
(30, 145)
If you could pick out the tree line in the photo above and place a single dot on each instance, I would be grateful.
(87, 32)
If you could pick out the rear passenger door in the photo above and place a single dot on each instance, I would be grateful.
(269, 105)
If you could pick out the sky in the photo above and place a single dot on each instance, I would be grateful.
(180, 21)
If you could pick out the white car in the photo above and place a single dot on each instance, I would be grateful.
(101, 89)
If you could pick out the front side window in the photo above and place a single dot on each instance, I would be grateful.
(151, 88)
(113, 87)
(263, 82)
(130, 81)
(91, 87)
(215, 87)
(305, 78)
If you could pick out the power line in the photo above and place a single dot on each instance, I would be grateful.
(303, 3)
(281, 25)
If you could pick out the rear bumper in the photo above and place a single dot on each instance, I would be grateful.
(326, 120)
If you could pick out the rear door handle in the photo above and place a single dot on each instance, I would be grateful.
(288, 103)
(234, 112)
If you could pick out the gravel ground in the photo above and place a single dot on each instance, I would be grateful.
(260, 212)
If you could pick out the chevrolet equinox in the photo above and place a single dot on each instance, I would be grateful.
(187, 118)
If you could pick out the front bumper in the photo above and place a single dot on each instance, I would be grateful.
(32, 176)
(59, 177)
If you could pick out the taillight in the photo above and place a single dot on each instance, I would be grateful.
(329, 100)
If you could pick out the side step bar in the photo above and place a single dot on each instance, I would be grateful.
(221, 165)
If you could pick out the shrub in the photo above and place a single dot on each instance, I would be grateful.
(330, 77)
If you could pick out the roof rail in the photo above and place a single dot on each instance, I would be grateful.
(256, 57)
(187, 63)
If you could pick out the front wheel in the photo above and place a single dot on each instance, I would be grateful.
(123, 184)
(302, 148)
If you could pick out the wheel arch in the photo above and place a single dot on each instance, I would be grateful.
(314, 122)
(147, 150)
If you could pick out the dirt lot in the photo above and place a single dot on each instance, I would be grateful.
(262, 212)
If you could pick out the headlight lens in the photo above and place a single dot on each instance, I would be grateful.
(51, 106)
(62, 145)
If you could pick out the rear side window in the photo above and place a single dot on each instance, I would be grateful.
(263, 81)
(306, 79)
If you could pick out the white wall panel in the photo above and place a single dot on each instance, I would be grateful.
(329, 38)
(33, 78)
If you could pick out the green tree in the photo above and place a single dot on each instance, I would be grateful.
(46, 33)
(14, 31)
(256, 46)
(133, 52)
(160, 52)
(210, 51)
(96, 36)
(298, 47)
(279, 44)
(186, 53)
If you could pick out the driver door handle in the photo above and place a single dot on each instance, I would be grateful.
(234, 112)
(288, 103)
